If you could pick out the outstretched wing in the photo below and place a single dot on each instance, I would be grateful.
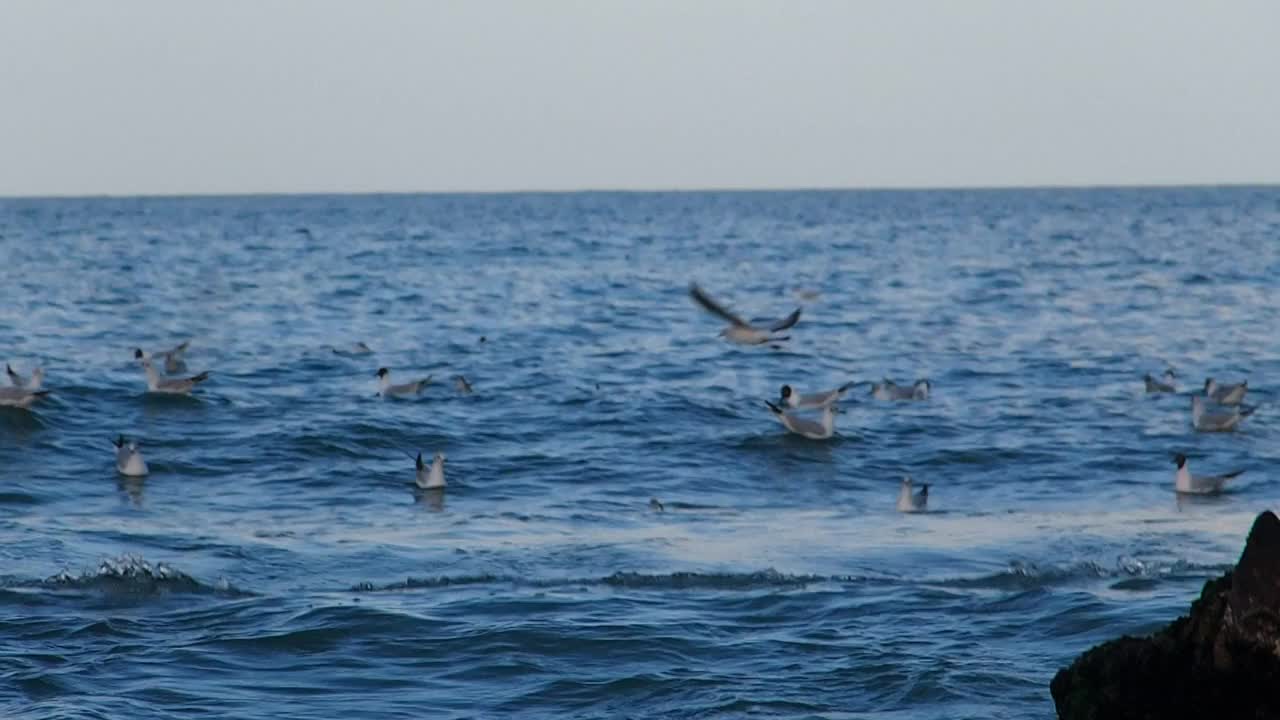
(14, 377)
(713, 307)
(786, 322)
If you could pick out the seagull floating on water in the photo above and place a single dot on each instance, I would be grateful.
(1166, 383)
(19, 397)
(804, 427)
(168, 386)
(1207, 421)
(889, 390)
(910, 502)
(1225, 394)
(129, 458)
(461, 385)
(740, 331)
(32, 383)
(796, 401)
(430, 477)
(386, 389)
(1185, 482)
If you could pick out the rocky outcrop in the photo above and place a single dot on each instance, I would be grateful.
(1220, 661)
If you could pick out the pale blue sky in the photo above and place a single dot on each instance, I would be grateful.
(135, 96)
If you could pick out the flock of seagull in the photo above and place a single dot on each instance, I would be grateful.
(1219, 409)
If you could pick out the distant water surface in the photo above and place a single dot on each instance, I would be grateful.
(278, 564)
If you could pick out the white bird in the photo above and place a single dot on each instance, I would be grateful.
(1185, 482)
(1207, 421)
(167, 386)
(129, 458)
(1166, 384)
(1225, 394)
(804, 427)
(889, 390)
(740, 331)
(430, 478)
(461, 385)
(796, 401)
(908, 501)
(32, 383)
(385, 388)
(19, 397)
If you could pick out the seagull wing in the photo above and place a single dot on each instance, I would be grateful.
(713, 307)
(786, 322)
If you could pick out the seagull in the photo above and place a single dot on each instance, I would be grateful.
(358, 349)
(1166, 383)
(656, 506)
(461, 385)
(168, 386)
(1225, 394)
(739, 330)
(32, 383)
(430, 478)
(173, 362)
(909, 502)
(796, 401)
(1185, 482)
(129, 458)
(19, 397)
(804, 427)
(1206, 421)
(889, 390)
(385, 388)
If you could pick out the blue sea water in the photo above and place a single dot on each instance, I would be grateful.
(277, 562)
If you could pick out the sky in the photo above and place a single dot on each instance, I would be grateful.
(268, 96)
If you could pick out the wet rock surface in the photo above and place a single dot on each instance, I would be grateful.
(1222, 660)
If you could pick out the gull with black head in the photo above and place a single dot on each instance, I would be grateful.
(1186, 483)
(163, 385)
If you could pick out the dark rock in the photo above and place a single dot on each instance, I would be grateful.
(1220, 661)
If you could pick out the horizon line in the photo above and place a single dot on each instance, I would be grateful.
(646, 190)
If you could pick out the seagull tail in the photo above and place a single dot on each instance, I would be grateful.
(1232, 474)
(201, 377)
(1247, 411)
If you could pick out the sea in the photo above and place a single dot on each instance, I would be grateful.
(278, 561)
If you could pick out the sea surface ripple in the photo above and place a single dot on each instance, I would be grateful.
(277, 562)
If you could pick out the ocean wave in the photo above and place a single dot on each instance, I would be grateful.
(131, 575)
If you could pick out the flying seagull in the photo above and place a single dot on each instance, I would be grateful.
(740, 331)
